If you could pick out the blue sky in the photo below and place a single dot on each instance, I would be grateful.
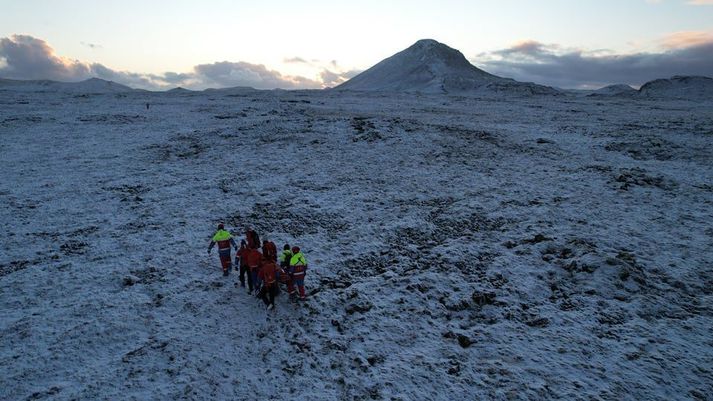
(315, 41)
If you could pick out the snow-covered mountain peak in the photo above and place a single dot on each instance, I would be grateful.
(432, 67)
(428, 42)
(434, 54)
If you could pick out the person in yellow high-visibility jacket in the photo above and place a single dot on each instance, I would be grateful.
(224, 240)
(298, 270)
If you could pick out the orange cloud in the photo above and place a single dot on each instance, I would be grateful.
(685, 39)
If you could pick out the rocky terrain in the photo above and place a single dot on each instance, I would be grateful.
(512, 248)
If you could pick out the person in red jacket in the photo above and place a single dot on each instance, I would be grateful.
(268, 275)
(241, 259)
(252, 238)
(254, 258)
(269, 250)
(224, 241)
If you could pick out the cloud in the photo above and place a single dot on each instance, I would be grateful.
(527, 47)
(576, 68)
(26, 57)
(298, 60)
(226, 74)
(176, 78)
(91, 45)
(679, 40)
(331, 79)
(29, 58)
(689, 2)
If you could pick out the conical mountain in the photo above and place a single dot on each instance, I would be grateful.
(426, 66)
(431, 67)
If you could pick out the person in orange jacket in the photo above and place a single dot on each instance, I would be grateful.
(268, 276)
(224, 241)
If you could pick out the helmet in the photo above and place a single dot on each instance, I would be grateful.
(220, 226)
(295, 249)
(286, 247)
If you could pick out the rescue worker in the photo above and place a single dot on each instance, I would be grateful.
(224, 241)
(252, 238)
(298, 269)
(285, 256)
(285, 276)
(241, 260)
(268, 276)
(254, 258)
(269, 250)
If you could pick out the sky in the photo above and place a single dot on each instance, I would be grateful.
(315, 44)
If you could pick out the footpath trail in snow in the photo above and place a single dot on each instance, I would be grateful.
(506, 248)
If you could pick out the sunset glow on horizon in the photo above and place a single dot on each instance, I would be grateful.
(321, 43)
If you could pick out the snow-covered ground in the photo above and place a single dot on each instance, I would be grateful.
(459, 248)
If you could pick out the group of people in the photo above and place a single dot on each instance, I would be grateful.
(265, 270)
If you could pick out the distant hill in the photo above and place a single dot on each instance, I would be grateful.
(679, 87)
(232, 89)
(432, 67)
(179, 89)
(614, 90)
(92, 85)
